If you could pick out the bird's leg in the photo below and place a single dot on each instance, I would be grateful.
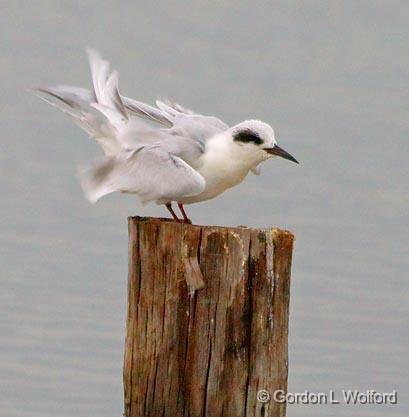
(182, 210)
(169, 207)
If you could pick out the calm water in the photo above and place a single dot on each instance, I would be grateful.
(332, 78)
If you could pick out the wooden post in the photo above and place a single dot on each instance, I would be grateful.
(192, 352)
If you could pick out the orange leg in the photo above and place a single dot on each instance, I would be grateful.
(182, 210)
(169, 207)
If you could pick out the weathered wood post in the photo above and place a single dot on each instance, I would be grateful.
(207, 323)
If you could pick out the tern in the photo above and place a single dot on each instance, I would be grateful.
(164, 154)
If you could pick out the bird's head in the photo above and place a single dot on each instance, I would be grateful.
(255, 141)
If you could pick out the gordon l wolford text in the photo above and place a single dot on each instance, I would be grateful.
(349, 396)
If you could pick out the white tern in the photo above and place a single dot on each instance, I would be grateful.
(165, 153)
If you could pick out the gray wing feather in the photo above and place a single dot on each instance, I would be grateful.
(193, 125)
(157, 164)
(105, 83)
(150, 172)
(146, 111)
(73, 102)
(105, 115)
(178, 107)
(196, 126)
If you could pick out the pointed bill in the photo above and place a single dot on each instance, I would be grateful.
(276, 150)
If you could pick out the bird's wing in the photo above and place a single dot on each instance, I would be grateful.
(187, 123)
(151, 172)
(74, 102)
(105, 86)
(180, 120)
(117, 110)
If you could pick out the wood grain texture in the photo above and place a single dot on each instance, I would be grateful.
(207, 320)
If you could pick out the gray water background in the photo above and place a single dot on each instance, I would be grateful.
(330, 76)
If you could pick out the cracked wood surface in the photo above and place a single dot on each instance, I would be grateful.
(207, 320)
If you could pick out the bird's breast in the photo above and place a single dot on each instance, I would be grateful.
(220, 174)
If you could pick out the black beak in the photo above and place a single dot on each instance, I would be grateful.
(276, 150)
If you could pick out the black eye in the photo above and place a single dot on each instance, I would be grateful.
(247, 136)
